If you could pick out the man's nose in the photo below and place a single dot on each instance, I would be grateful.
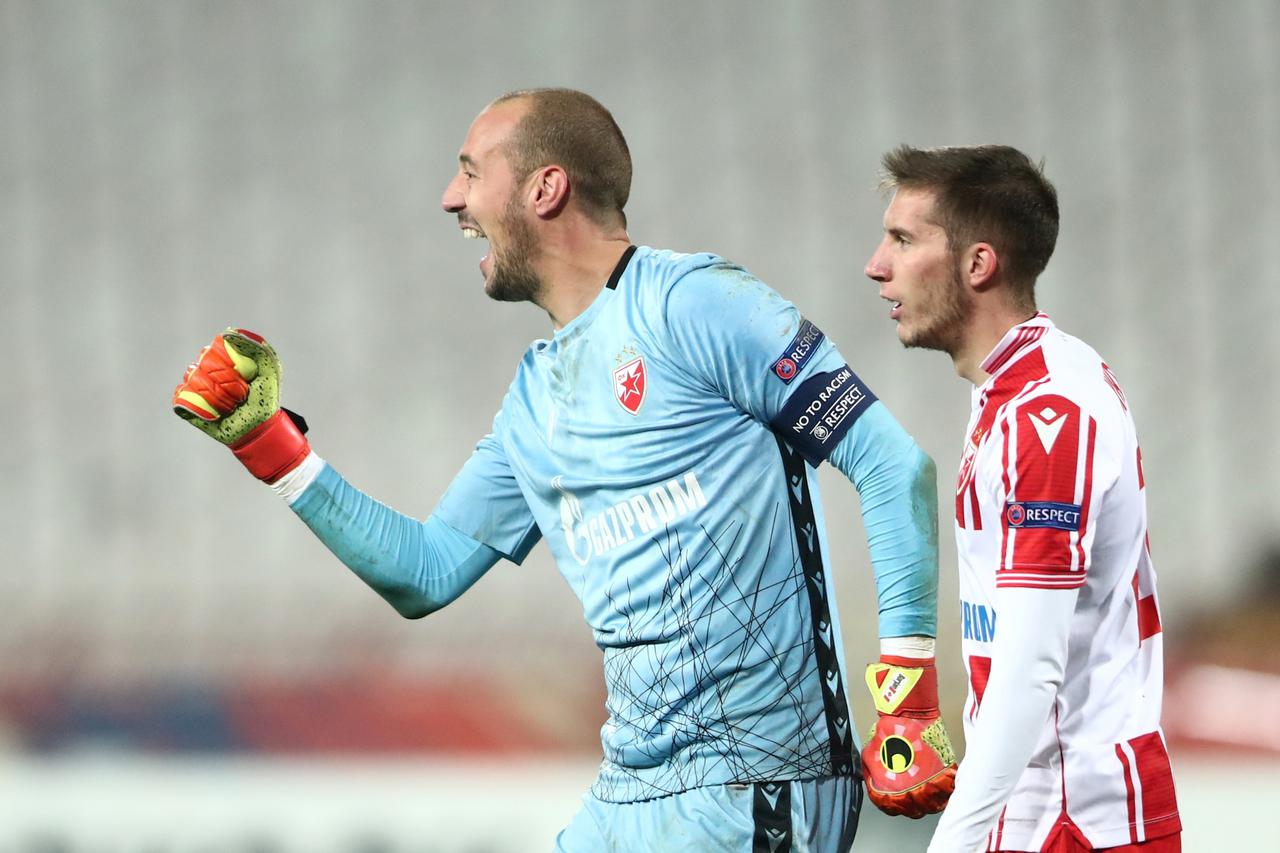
(876, 269)
(452, 200)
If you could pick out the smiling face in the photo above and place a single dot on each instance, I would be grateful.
(920, 275)
(489, 203)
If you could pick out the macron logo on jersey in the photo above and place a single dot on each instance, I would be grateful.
(1058, 516)
(1048, 424)
(632, 517)
(802, 346)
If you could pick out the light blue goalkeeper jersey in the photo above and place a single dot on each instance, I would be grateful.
(662, 443)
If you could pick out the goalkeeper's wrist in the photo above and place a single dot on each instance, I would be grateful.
(293, 484)
(273, 448)
(907, 647)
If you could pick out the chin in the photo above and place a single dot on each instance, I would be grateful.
(917, 339)
(909, 338)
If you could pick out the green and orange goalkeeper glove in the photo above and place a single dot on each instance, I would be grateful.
(908, 760)
(232, 393)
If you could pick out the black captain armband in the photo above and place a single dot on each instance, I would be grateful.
(821, 411)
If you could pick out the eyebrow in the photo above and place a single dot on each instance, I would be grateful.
(465, 159)
(898, 232)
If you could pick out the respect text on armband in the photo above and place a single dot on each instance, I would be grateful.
(826, 412)
(821, 411)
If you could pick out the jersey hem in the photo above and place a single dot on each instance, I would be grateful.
(1024, 832)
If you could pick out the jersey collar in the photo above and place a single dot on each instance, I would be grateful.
(620, 268)
(1014, 341)
(580, 323)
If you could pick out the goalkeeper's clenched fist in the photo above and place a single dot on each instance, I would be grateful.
(232, 393)
(909, 763)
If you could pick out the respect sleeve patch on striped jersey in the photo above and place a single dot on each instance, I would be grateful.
(819, 412)
(1059, 516)
(798, 352)
(1048, 459)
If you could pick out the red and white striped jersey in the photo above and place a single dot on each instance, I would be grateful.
(1051, 496)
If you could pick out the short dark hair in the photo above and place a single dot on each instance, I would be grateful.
(574, 131)
(988, 193)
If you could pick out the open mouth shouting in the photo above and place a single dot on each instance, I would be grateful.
(471, 231)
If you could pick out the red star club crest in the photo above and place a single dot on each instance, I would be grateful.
(629, 385)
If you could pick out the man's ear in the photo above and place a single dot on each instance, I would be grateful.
(980, 265)
(550, 191)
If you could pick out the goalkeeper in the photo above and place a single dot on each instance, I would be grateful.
(663, 441)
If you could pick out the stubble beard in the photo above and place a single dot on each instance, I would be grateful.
(948, 313)
(514, 279)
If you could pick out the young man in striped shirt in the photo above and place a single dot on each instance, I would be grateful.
(1061, 630)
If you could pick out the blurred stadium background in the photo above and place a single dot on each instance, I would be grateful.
(182, 668)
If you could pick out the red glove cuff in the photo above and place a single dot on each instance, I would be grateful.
(273, 448)
(922, 700)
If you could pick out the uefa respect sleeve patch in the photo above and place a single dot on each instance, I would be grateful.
(1057, 516)
(819, 413)
(798, 352)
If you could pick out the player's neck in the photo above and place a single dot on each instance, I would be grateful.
(575, 269)
(987, 327)
(968, 361)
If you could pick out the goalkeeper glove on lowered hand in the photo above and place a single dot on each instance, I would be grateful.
(232, 393)
(908, 760)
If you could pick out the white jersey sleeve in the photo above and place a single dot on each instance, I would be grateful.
(1026, 674)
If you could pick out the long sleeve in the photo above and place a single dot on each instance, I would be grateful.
(1026, 673)
(417, 566)
(897, 488)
